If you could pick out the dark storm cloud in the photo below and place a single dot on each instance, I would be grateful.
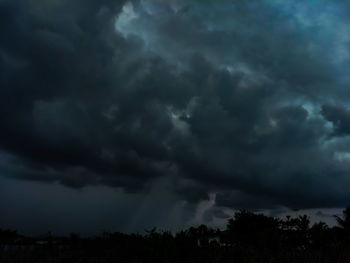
(215, 212)
(233, 98)
(339, 117)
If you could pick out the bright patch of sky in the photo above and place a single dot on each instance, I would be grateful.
(125, 20)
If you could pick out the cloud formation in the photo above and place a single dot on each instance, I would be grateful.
(245, 99)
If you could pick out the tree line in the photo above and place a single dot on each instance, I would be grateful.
(248, 237)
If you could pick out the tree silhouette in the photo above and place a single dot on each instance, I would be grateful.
(345, 221)
(319, 235)
(344, 224)
(249, 229)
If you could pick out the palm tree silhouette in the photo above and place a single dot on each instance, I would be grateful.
(345, 221)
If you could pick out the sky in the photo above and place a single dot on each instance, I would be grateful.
(124, 115)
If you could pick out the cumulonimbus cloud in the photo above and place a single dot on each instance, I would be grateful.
(246, 99)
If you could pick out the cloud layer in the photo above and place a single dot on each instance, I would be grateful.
(245, 99)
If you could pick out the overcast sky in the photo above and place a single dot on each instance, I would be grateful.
(123, 115)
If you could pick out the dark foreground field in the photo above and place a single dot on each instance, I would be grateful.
(248, 238)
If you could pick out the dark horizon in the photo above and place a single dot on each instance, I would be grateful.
(123, 115)
(290, 215)
(248, 237)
